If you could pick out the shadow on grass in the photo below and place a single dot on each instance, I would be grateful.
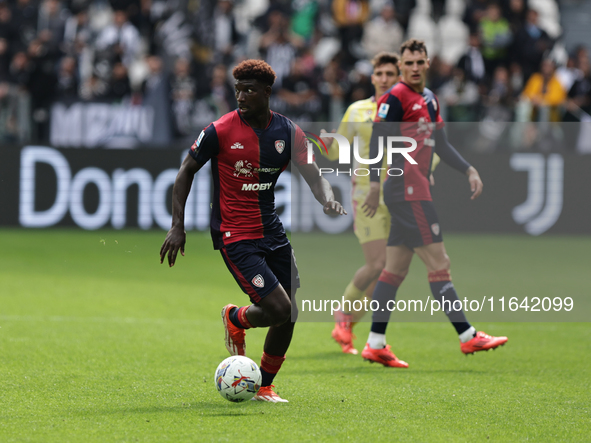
(376, 368)
(323, 356)
(361, 366)
(205, 408)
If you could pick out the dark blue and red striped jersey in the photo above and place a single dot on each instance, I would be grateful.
(416, 116)
(246, 164)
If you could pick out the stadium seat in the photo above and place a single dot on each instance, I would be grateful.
(423, 7)
(453, 38)
(246, 11)
(423, 27)
(455, 8)
(549, 16)
(325, 50)
(99, 16)
(545, 7)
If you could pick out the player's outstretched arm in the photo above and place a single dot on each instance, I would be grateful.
(321, 189)
(175, 239)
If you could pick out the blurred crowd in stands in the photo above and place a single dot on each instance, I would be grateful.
(493, 61)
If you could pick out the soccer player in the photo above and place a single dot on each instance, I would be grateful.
(371, 232)
(249, 148)
(414, 224)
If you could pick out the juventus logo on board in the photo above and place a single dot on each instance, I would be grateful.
(542, 208)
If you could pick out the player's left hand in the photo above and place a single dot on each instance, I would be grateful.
(475, 182)
(333, 207)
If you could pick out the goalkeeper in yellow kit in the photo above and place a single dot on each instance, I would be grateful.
(371, 232)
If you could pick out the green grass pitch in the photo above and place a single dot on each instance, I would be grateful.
(101, 343)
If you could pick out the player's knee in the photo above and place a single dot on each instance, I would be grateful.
(282, 317)
(441, 264)
(445, 262)
(376, 267)
(280, 314)
(402, 272)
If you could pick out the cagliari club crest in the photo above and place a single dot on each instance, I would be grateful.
(258, 281)
(435, 228)
(280, 145)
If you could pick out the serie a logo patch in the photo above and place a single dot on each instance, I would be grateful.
(198, 141)
(383, 111)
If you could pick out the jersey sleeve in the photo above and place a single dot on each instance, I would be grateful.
(206, 146)
(299, 153)
(389, 110)
(448, 153)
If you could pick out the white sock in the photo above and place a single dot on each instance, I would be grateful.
(376, 341)
(468, 334)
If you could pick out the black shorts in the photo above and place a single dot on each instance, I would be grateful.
(260, 265)
(413, 223)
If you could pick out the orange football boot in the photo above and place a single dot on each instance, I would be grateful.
(482, 342)
(234, 336)
(266, 393)
(384, 356)
(342, 332)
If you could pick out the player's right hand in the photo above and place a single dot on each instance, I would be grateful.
(372, 200)
(475, 182)
(333, 207)
(174, 241)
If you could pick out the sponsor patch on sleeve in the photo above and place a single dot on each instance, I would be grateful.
(383, 111)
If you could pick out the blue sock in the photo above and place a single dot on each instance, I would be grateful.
(267, 378)
(238, 317)
(385, 291)
(443, 290)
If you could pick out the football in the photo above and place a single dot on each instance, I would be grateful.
(238, 378)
